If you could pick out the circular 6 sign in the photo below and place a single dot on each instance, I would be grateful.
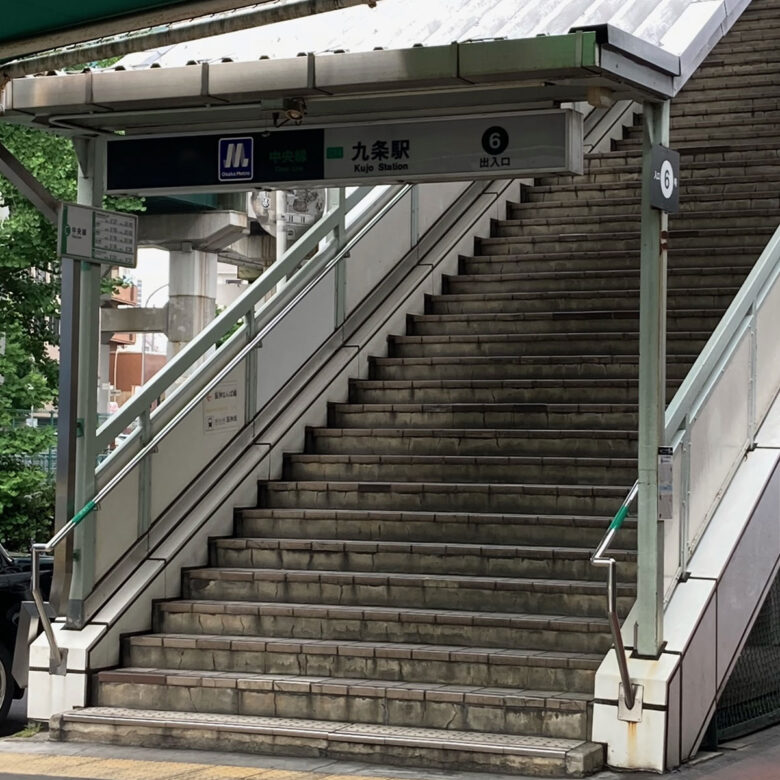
(495, 140)
(665, 179)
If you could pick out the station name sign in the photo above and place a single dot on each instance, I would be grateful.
(520, 144)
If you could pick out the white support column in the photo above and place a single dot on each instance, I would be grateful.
(192, 296)
(652, 392)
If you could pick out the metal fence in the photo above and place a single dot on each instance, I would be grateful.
(46, 459)
(751, 698)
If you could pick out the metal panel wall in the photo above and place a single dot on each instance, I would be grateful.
(718, 438)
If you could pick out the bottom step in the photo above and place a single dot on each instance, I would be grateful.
(461, 750)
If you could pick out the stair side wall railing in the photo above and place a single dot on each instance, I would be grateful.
(712, 420)
(164, 402)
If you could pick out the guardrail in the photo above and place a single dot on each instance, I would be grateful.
(337, 240)
(599, 559)
(713, 418)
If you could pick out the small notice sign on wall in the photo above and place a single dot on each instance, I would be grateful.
(221, 409)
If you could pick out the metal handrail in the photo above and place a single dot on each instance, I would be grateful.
(598, 559)
(288, 297)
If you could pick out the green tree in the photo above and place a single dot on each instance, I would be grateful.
(29, 280)
(29, 306)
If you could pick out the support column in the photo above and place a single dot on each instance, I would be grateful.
(652, 391)
(91, 186)
(65, 483)
(192, 296)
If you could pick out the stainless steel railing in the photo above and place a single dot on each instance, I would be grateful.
(600, 559)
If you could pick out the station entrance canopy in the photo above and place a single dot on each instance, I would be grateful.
(247, 103)
(62, 34)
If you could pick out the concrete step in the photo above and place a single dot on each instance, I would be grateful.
(395, 623)
(447, 664)
(722, 61)
(726, 187)
(758, 88)
(455, 527)
(711, 113)
(457, 468)
(753, 150)
(569, 415)
(740, 51)
(736, 126)
(431, 591)
(682, 139)
(400, 745)
(603, 321)
(581, 257)
(757, 165)
(604, 282)
(473, 560)
(608, 206)
(453, 391)
(577, 249)
(426, 705)
(723, 232)
(541, 442)
(606, 223)
(503, 344)
(602, 366)
(445, 497)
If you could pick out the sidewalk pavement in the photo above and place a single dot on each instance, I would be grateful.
(756, 757)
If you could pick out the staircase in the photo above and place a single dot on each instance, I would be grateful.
(416, 589)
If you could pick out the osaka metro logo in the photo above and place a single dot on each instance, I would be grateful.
(236, 159)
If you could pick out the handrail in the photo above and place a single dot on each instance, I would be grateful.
(598, 559)
(271, 314)
(221, 326)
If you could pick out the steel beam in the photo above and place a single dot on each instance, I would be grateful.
(652, 391)
(28, 185)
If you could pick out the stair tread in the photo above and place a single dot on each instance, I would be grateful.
(523, 620)
(460, 459)
(587, 521)
(467, 338)
(412, 547)
(458, 582)
(411, 407)
(361, 648)
(286, 683)
(335, 731)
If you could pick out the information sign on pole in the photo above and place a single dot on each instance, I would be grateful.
(98, 236)
(665, 182)
(499, 146)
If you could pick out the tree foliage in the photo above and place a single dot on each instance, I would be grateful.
(29, 281)
(29, 306)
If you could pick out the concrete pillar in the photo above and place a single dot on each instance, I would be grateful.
(192, 296)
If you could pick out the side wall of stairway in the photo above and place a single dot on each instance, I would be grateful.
(388, 276)
(706, 623)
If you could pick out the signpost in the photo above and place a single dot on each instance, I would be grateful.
(504, 146)
(98, 236)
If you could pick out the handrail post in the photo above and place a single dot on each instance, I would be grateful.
(599, 559)
(56, 655)
(337, 195)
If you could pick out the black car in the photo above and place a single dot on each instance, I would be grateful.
(14, 589)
